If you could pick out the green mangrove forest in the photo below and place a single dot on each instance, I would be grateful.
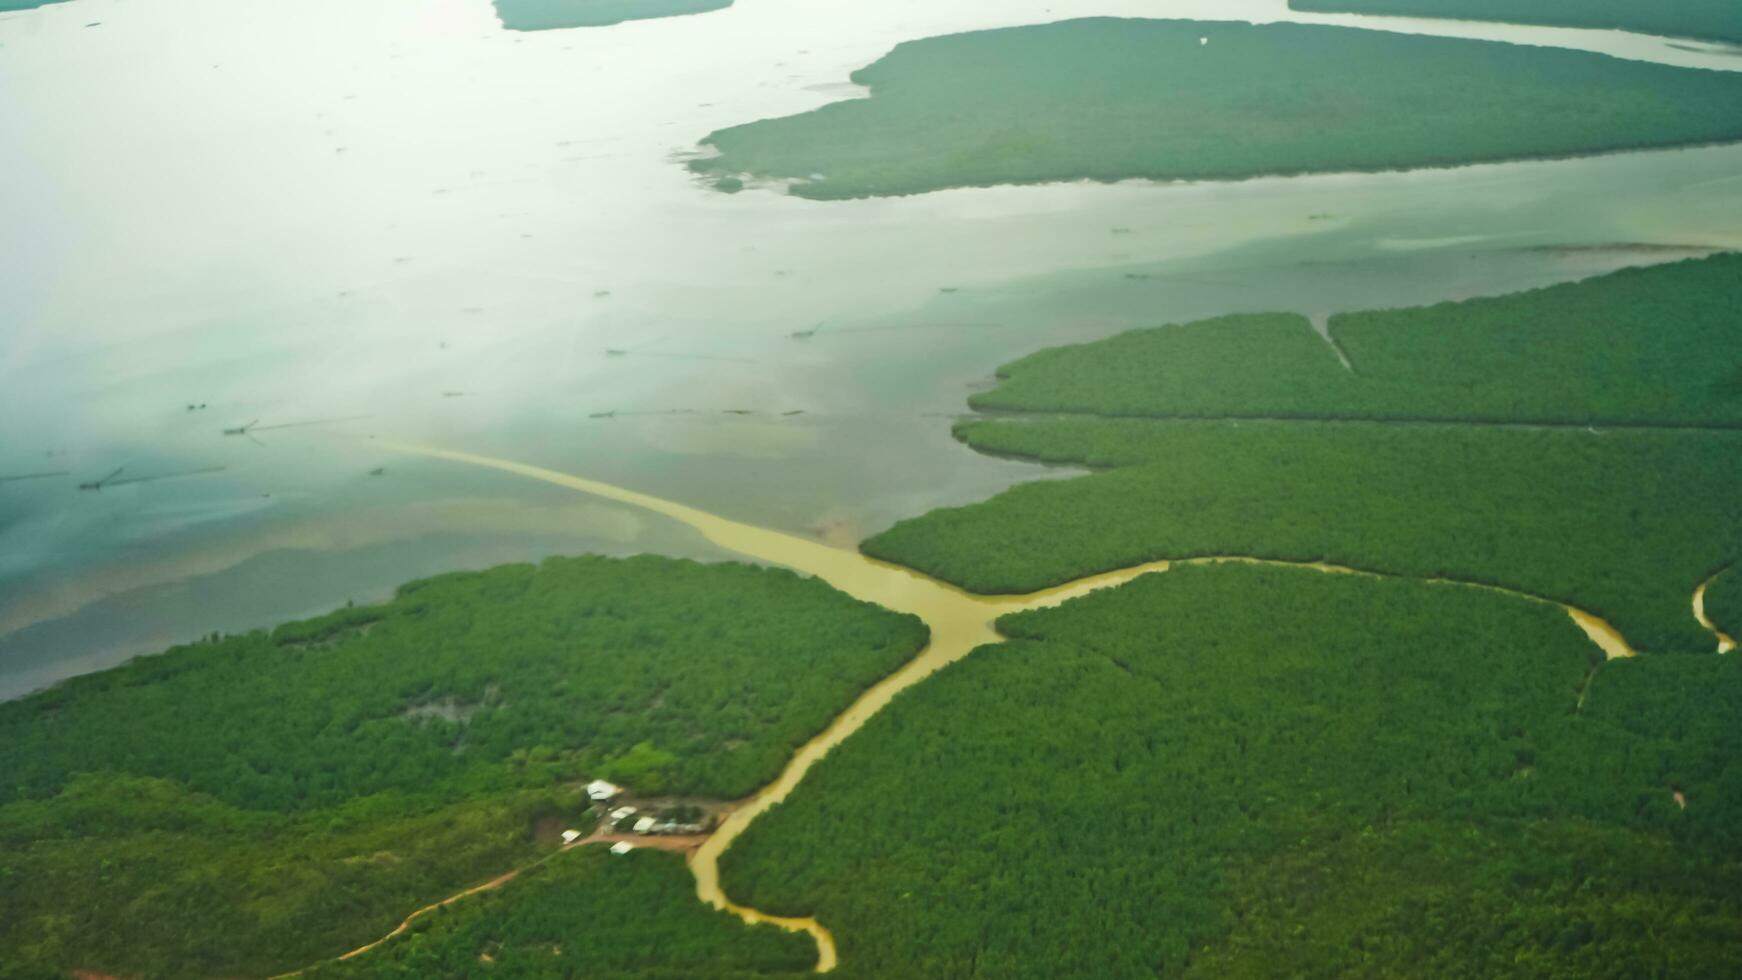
(1625, 525)
(551, 15)
(1108, 99)
(1246, 436)
(1724, 602)
(1231, 769)
(1717, 20)
(1234, 770)
(586, 913)
(1653, 346)
(252, 804)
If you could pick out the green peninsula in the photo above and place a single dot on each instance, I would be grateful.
(1108, 99)
(1245, 436)
(552, 15)
(1241, 771)
(254, 804)
(1652, 346)
(1717, 20)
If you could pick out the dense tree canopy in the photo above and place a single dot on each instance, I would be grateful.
(1719, 20)
(1659, 345)
(1313, 462)
(1245, 771)
(251, 803)
(1109, 99)
(587, 913)
(1623, 524)
(1724, 602)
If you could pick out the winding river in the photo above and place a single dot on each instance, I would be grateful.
(447, 227)
(1726, 642)
(476, 238)
(959, 622)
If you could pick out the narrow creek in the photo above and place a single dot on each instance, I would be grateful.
(1726, 642)
(959, 622)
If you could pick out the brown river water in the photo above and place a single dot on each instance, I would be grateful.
(959, 622)
(463, 236)
(1726, 642)
(400, 215)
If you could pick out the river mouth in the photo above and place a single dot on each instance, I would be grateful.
(960, 623)
(339, 249)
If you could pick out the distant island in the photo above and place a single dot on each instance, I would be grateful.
(1331, 632)
(1107, 99)
(552, 15)
(1715, 20)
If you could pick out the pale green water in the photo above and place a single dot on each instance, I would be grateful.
(320, 211)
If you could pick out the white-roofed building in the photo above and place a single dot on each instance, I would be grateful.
(570, 836)
(622, 847)
(600, 791)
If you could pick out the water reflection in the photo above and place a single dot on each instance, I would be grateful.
(442, 231)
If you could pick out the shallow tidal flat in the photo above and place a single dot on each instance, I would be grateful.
(1114, 99)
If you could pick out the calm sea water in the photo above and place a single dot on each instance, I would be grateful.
(349, 223)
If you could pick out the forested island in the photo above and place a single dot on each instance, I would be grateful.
(1243, 771)
(1717, 20)
(1108, 99)
(253, 804)
(551, 15)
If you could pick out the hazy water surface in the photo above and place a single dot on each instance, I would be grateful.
(402, 215)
